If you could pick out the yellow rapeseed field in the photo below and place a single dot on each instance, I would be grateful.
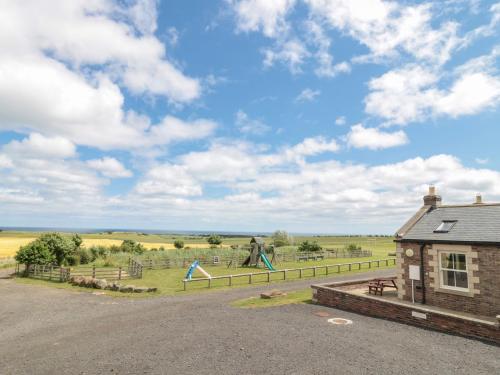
(10, 245)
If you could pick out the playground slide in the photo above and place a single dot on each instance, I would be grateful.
(196, 266)
(267, 262)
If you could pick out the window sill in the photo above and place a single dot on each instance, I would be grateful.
(468, 293)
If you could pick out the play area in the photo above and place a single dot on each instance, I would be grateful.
(257, 255)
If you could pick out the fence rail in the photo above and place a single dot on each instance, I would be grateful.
(55, 273)
(337, 268)
(164, 262)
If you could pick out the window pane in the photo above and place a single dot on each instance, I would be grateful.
(448, 278)
(446, 261)
(461, 279)
(460, 262)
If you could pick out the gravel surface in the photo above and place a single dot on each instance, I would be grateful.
(53, 331)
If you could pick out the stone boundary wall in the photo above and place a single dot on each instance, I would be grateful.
(330, 295)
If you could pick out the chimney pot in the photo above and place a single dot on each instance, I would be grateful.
(432, 199)
(479, 199)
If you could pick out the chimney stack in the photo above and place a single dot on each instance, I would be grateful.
(431, 199)
(479, 199)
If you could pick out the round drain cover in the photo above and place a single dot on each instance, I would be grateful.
(339, 321)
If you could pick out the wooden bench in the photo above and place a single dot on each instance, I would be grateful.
(377, 286)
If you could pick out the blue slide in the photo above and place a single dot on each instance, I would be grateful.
(267, 262)
(192, 267)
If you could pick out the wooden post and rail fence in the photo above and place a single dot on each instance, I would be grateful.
(337, 268)
(62, 274)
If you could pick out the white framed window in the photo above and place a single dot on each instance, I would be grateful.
(453, 271)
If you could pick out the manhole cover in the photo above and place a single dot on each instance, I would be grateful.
(339, 321)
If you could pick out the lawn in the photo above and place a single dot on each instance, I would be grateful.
(169, 281)
(294, 297)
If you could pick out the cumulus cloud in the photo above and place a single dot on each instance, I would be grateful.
(109, 167)
(248, 125)
(307, 95)
(39, 146)
(262, 15)
(75, 91)
(413, 93)
(374, 139)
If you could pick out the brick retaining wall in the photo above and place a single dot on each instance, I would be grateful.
(332, 296)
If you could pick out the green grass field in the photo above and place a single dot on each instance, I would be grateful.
(169, 281)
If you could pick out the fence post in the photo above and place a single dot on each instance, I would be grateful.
(326, 270)
(230, 280)
(250, 278)
(314, 271)
(119, 273)
(284, 274)
(185, 282)
(61, 274)
(350, 267)
(93, 272)
(268, 276)
(209, 283)
(50, 273)
(300, 273)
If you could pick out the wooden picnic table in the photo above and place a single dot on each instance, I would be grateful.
(377, 285)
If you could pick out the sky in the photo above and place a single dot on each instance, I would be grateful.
(312, 116)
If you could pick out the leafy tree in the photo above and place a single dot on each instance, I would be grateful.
(59, 246)
(179, 244)
(130, 246)
(352, 248)
(35, 252)
(280, 238)
(307, 246)
(214, 239)
(77, 240)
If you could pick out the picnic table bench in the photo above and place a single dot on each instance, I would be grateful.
(310, 257)
(377, 286)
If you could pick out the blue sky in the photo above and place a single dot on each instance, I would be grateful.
(326, 116)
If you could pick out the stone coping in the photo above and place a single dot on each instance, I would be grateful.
(494, 322)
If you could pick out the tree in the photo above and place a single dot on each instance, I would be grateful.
(130, 246)
(280, 238)
(77, 240)
(307, 246)
(60, 247)
(35, 252)
(214, 239)
(179, 244)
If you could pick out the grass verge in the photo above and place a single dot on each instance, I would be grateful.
(294, 297)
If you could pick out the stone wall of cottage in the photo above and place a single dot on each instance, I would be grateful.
(483, 263)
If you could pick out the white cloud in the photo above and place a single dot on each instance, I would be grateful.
(74, 91)
(307, 95)
(169, 180)
(388, 28)
(340, 121)
(5, 162)
(39, 146)
(482, 160)
(247, 125)
(109, 167)
(291, 53)
(262, 15)
(374, 139)
(412, 93)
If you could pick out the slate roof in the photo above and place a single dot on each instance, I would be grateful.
(475, 224)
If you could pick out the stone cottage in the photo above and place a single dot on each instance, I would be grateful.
(448, 256)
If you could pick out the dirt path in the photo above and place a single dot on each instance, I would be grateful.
(49, 331)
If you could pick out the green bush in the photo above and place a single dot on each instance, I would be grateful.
(352, 248)
(130, 246)
(178, 244)
(307, 246)
(214, 240)
(280, 238)
(35, 252)
(85, 256)
(72, 260)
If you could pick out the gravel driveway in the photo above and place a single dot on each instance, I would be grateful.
(53, 331)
